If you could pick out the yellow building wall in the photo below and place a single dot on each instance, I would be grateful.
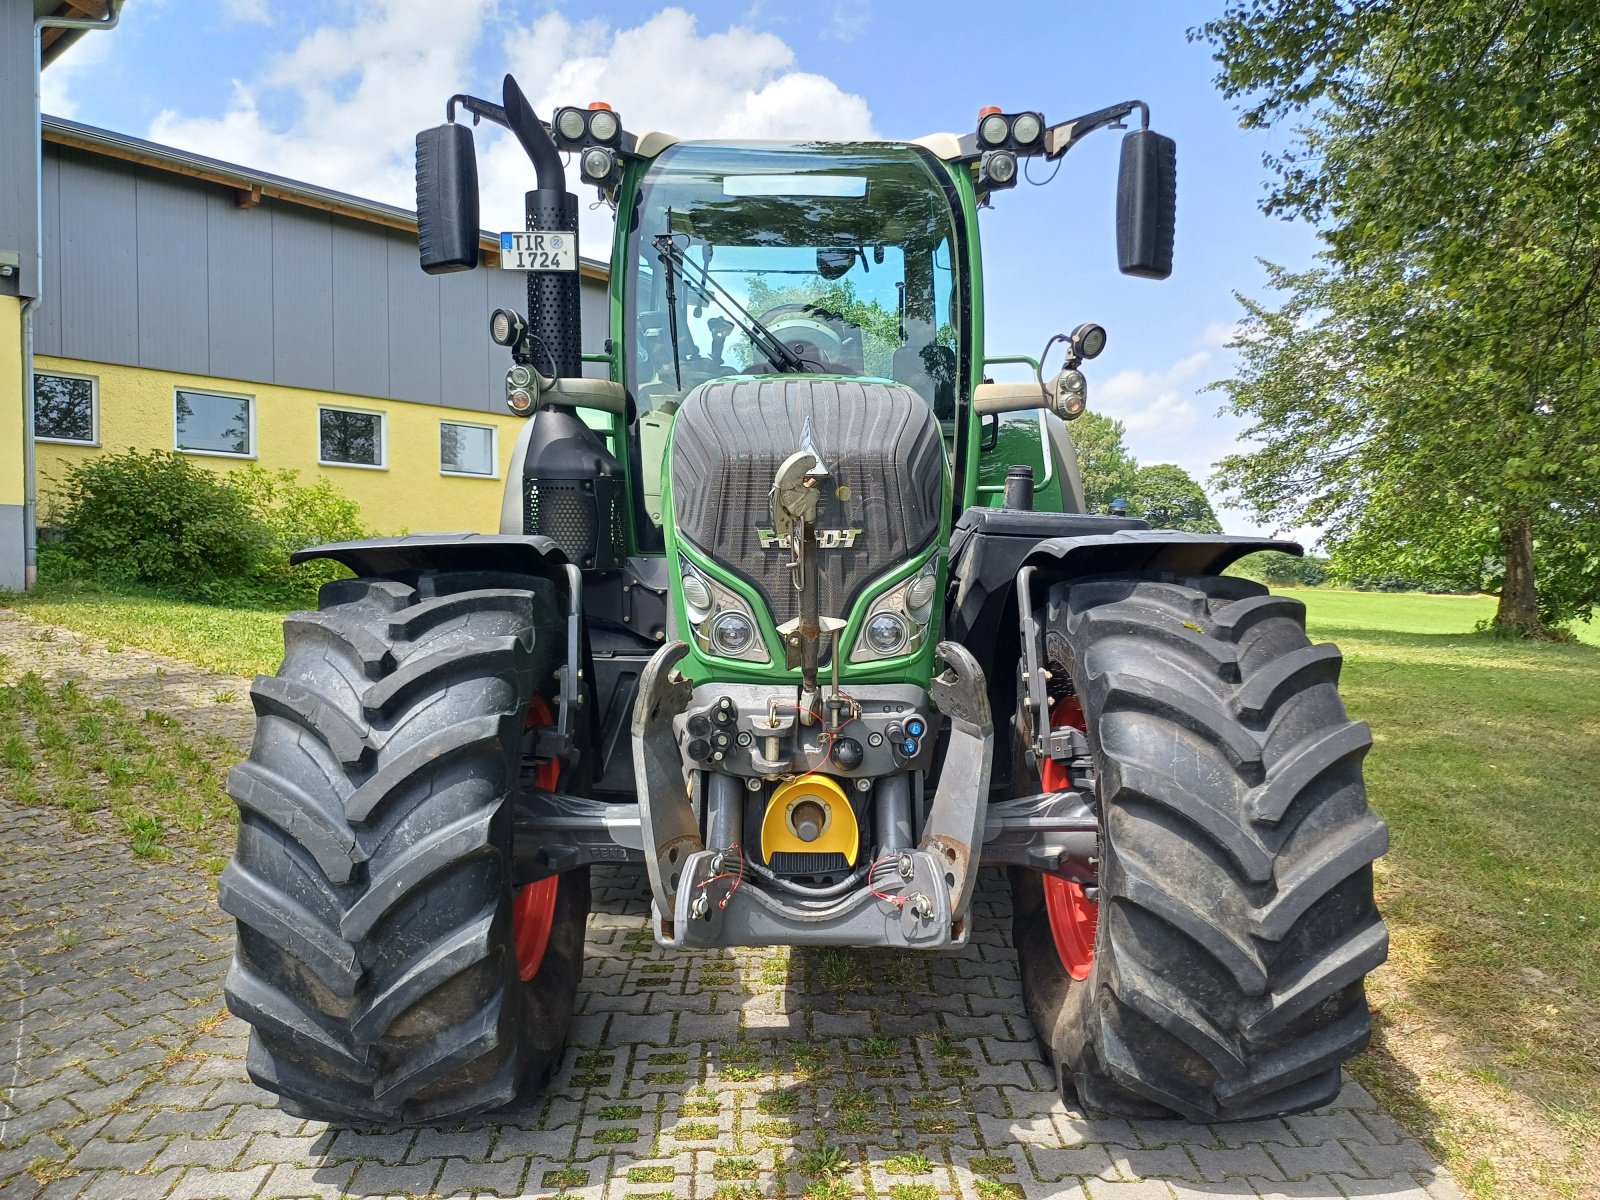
(410, 494)
(12, 414)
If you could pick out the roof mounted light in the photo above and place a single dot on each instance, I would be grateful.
(994, 129)
(603, 123)
(569, 125)
(998, 170)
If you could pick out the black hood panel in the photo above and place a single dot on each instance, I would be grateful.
(880, 442)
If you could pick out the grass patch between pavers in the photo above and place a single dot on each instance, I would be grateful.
(137, 775)
(621, 1112)
(735, 1168)
(908, 1164)
(913, 1191)
(651, 1174)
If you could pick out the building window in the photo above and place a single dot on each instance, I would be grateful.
(350, 437)
(212, 423)
(66, 408)
(466, 449)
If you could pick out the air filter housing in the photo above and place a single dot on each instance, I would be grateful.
(572, 490)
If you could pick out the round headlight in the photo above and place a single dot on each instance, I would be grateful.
(919, 596)
(732, 633)
(603, 124)
(1001, 167)
(993, 129)
(519, 401)
(697, 596)
(520, 376)
(887, 632)
(505, 327)
(569, 124)
(1026, 128)
(596, 163)
(1088, 339)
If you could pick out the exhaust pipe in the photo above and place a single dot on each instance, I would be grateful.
(554, 315)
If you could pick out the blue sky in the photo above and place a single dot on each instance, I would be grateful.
(334, 93)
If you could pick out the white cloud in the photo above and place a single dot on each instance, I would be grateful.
(359, 91)
(81, 60)
(1156, 406)
(667, 75)
(250, 12)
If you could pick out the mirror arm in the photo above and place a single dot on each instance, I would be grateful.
(1058, 139)
(481, 110)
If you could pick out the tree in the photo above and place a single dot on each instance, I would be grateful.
(1109, 472)
(1169, 498)
(1428, 394)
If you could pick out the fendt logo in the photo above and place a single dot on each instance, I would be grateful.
(827, 539)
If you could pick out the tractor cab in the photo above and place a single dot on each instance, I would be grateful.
(795, 258)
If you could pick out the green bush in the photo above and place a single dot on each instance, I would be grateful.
(294, 516)
(155, 518)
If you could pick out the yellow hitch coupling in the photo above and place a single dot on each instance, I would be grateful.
(810, 815)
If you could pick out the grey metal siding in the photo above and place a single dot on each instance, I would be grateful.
(160, 271)
(361, 312)
(47, 318)
(238, 252)
(302, 299)
(172, 285)
(18, 185)
(98, 253)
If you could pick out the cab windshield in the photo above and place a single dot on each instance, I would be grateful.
(763, 258)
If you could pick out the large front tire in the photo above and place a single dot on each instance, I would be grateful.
(376, 961)
(1236, 919)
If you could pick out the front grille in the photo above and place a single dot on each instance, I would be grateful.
(880, 442)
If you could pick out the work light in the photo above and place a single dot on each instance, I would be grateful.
(505, 327)
(998, 170)
(603, 124)
(1026, 128)
(570, 124)
(993, 129)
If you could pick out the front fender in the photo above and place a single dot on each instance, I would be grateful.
(394, 556)
(1167, 550)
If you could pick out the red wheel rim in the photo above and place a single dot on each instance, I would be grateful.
(533, 912)
(1073, 916)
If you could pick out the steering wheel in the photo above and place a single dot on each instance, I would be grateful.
(813, 333)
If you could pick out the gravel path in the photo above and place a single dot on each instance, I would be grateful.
(690, 1075)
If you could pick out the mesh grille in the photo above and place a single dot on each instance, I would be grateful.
(880, 441)
(787, 862)
(583, 517)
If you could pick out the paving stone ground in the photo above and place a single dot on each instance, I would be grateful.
(696, 1075)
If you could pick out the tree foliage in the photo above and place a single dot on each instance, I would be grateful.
(1169, 498)
(1428, 394)
(1107, 468)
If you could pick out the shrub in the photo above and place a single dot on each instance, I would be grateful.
(154, 517)
(294, 516)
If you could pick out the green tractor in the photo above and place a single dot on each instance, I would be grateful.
(800, 613)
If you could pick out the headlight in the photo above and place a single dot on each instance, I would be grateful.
(993, 129)
(696, 596)
(887, 633)
(720, 620)
(603, 124)
(1026, 128)
(570, 124)
(732, 633)
(919, 596)
(897, 623)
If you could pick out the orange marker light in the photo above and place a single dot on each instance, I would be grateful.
(601, 104)
(988, 111)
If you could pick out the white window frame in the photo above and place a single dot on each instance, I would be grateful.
(94, 409)
(494, 450)
(201, 391)
(383, 437)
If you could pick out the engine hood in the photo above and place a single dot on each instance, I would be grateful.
(884, 452)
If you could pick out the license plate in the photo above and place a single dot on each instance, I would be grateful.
(541, 250)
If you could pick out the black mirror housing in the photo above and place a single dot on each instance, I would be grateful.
(447, 199)
(1147, 204)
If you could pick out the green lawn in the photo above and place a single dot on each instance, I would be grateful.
(232, 641)
(1486, 764)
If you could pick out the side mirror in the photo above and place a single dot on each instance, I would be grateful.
(1147, 204)
(447, 199)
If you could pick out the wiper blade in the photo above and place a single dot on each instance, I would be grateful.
(769, 344)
